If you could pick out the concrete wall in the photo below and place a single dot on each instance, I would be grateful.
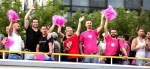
(7, 64)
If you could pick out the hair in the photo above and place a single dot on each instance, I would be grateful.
(70, 27)
(114, 29)
(33, 19)
(44, 26)
(126, 37)
(137, 29)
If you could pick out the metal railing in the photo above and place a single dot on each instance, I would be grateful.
(63, 54)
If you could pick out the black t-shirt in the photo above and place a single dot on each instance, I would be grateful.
(43, 43)
(32, 38)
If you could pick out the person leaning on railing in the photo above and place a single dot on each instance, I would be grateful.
(138, 45)
(113, 45)
(18, 45)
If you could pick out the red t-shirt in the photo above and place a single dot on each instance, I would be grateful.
(73, 44)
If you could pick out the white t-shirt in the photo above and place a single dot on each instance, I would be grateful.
(18, 42)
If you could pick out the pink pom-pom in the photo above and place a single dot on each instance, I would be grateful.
(8, 42)
(12, 16)
(40, 57)
(59, 20)
(109, 13)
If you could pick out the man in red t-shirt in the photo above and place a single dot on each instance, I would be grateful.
(71, 43)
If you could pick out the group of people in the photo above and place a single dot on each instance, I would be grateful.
(75, 42)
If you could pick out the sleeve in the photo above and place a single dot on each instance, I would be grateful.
(107, 37)
(121, 43)
(96, 33)
(81, 38)
(50, 40)
(38, 41)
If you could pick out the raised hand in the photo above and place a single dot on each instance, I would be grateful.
(32, 7)
(102, 15)
(81, 19)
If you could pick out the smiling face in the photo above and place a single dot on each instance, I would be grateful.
(88, 24)
(34, 23)
(44, 30)
(113, 33)
(69, 31)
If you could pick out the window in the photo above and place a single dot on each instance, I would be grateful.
(80, 2)
(116, 3)
(146, 4)
(97, 3)
(66, 2)
(133, 4)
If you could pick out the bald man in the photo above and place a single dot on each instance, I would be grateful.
(18, 44)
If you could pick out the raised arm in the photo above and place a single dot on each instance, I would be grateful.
(61, 35)
(26, 21)
(51, 28)
(79, 25)
(101, 24)
(10, 29)
(106, 28)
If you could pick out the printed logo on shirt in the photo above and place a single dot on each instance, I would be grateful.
(42, 41)
(90, 36)
(69, 43)
(112, 44)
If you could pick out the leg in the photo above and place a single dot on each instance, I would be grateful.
(87, 59)
(94, 60)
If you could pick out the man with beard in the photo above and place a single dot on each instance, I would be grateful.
(113, 45)
(138, 45)
(88, 41)
(18, 44)
(148, 47)
(70, 44)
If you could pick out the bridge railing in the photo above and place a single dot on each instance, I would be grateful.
(63, 54)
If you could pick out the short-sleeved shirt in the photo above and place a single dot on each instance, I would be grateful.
(32, 38)
(18, 42)
(113, 45)
(43, 43)
(89, 39)
(127, 47)
(73, 44)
